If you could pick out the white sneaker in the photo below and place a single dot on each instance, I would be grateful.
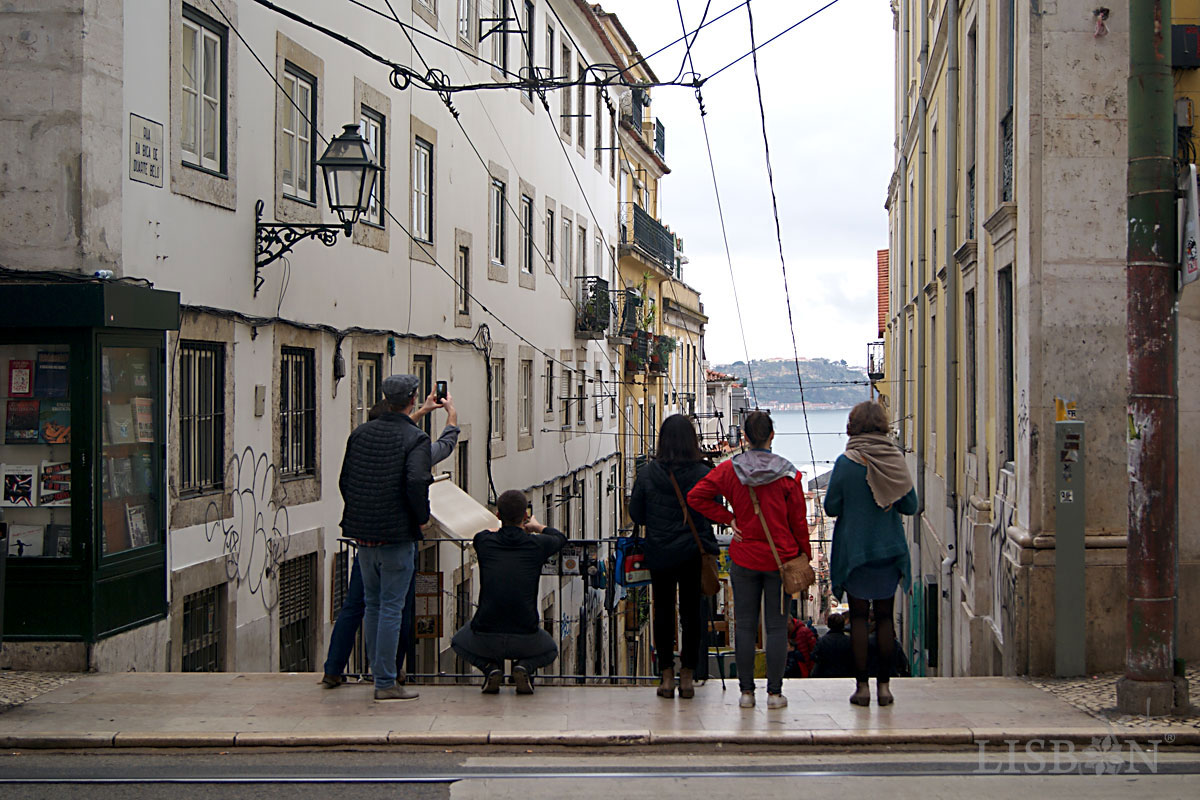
(776, 701)
(746, 700)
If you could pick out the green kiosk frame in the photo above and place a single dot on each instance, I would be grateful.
(83, 457)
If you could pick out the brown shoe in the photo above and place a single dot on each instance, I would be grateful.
(332, 681)
(667, 687)
(862, 695)
(687, 689)
(883, 692)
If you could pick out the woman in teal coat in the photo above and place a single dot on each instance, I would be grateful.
(868, 491)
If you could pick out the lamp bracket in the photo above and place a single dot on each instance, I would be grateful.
(274, 240)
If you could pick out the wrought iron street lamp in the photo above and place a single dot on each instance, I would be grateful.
(350, 171)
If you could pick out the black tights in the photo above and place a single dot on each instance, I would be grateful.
(885, 637)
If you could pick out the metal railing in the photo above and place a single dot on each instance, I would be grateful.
(593, 308)
(971, 202)
(1006, 158)
(651, 237)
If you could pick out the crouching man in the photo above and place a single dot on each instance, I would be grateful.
(506, 624)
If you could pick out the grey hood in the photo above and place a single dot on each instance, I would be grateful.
(759, 467)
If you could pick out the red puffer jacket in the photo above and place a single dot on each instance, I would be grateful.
(780, 494)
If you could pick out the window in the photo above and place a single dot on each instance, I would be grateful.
(566, 251)
(581, 387)
(612, 388)
(203, 631)
(464, 20)
(202, 87)
(462, 274)
(298, 412)
(371, 126)
(550, 49)
(422, 199)
(525, 413)
(423, 369)
(499, 38)
(581, 129)
(201, 416)
(498, 232)
(1006, 367)
(549, 236)
(527, 46)
(565, 399)
(596, 389)
(598, 258)
(969, 348)
(527, 237)
(498, 398)
(652, 426)
(298, 132)
(462, 471)
(599, 133)
(581, 251)
(566, 94)
(367, 390)
(613, 152)
(549, 385)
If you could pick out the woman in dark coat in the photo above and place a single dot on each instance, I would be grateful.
(868, 491)
(671, 551)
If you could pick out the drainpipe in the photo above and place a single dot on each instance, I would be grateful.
(919, 404)
(945, 662)
(1151, 556)
(902, 244)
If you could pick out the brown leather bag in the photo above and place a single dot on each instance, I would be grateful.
(710, 581)
(797, 573)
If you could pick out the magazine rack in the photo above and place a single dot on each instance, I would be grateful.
(82, 457)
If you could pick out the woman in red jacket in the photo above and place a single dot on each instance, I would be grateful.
(755, 573)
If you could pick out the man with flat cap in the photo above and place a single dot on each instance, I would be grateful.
(385, 488)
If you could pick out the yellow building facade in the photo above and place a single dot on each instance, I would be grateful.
(1006, 294)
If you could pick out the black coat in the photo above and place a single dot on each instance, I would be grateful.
(833, 656)
(510, 571)
(654, 505)
(385, 480)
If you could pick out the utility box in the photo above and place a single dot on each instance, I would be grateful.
(1070, 505)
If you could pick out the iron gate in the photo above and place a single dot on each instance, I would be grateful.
(297, 613)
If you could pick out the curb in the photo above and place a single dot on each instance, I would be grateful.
(996, 737)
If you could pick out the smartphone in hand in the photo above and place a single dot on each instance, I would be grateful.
(441, 391)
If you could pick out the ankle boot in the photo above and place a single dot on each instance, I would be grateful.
(667, 687)
(686, 689)
(862, 695)
(883, 693)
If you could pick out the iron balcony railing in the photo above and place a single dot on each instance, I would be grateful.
(1006, 158)
(651, 237)
(592, 307)
(875, 353)
(660, 139)
(631, 307)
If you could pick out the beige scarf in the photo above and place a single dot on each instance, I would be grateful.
(887, 474)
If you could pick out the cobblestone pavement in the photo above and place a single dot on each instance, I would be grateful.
(20, 687)
(1097, 696)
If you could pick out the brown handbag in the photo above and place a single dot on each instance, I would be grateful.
(797, 573)
(710, 581)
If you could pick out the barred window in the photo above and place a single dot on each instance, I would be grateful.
(297, 412)
(201, 416)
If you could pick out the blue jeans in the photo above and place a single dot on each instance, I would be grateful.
(386, 573)
(341, 641)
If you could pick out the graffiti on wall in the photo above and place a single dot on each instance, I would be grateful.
(255, 537)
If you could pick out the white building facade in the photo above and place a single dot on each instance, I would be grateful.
(463, 270)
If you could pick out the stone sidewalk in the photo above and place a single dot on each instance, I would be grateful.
(231, 709)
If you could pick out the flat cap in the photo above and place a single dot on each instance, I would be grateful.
(399, 388)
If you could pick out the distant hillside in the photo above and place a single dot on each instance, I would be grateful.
(826, 382)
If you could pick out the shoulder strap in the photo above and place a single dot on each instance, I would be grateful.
(683, 504)
(766, 531)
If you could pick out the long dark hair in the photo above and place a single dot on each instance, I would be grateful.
(677, 443)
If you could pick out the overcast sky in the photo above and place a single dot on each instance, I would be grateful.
(827, 88)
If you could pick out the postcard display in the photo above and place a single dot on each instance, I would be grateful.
(35, 455)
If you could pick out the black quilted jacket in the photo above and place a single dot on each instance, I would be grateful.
(669, 541)
(385, 480)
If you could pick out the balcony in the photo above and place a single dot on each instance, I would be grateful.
(648, 237)
(637, 352)
(593, 309)
(660, 139)
(660, 351)
(875, 353)
(1006, 158)
(628, 315)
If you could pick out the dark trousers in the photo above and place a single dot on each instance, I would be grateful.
(686, 578)
(349, 620)
(489, 651)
